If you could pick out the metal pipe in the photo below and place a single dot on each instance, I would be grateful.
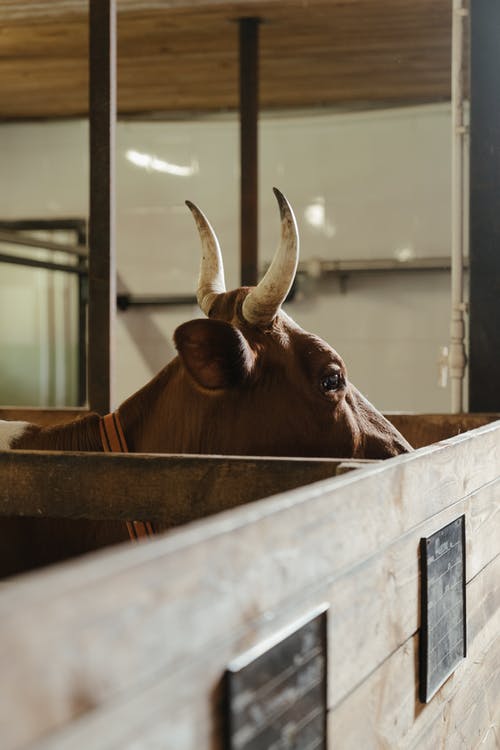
(14, 238)
(317, 267)
(46, 265)
(126, 300)
(457, 354)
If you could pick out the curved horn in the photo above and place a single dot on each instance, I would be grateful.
(211, 280)
(264, 302)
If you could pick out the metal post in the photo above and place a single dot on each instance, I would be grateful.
(484, 349)
(102, 283)
(249, 111)
(457, 356)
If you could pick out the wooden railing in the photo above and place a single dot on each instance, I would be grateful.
(129, 647)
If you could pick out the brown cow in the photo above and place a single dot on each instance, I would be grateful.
(248, 380)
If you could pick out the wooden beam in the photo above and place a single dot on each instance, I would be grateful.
(425, 429)
(484, 349)
(249, 150)
(41, 415)
(102, 282)
(170, 490)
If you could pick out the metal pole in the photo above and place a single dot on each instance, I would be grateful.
(249, 112)
(102, 282)
(484, 329)
(457, 356)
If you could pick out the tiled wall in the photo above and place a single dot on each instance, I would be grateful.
(364, 185)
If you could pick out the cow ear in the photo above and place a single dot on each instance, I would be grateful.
(214, 353)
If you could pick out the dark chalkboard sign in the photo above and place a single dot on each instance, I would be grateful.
(443, 634)
(276, 692)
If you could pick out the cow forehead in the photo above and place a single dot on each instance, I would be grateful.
(315, 353)
(287, 343)
(284, 339)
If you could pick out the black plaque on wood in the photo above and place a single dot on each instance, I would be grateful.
(276, 692)
(443, 633)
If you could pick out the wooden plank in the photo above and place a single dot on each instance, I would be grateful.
(357, 533)
(424, 429)
(170, 490)
(42, 415)
(464, 712)
(182, 56)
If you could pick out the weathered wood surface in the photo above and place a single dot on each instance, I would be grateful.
(424, 429)
(182, 55)
(466, 711)
(130, 645)
(41, 415)
(167, 489)
(55, 506)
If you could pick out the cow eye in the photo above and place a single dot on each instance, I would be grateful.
(331, 382)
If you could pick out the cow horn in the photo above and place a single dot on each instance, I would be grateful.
(261, 306)
(211, 281)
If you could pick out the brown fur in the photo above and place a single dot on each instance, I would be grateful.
(240, 389)
(233, 389)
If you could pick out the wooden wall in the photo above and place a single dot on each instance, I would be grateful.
(128, 647)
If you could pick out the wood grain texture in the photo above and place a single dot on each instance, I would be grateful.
(463, 714)
(182, 56)
(147, 631)
(170, 490)
(41, 415)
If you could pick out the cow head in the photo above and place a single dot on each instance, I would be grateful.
(254, 382)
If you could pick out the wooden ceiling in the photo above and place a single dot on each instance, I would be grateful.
(176, 56)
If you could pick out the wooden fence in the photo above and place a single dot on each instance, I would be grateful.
(128, 647)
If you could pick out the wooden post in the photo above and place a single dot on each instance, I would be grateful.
(249, 110)
(102, 116)
(484, 358)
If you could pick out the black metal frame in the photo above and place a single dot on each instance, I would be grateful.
(80, 269)
(484, 328)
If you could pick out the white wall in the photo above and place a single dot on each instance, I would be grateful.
(378, 183)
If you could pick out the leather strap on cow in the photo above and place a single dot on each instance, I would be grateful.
(113, 441)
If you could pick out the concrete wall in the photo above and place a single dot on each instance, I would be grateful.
(363, 185)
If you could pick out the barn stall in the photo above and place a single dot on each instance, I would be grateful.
(133, 646)
(159, 644)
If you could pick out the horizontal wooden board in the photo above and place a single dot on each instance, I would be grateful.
(424, 429)
(464, 712)
(183, 56)
(41, 415)
(184, 705)
(194, 598)
(170, 490)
